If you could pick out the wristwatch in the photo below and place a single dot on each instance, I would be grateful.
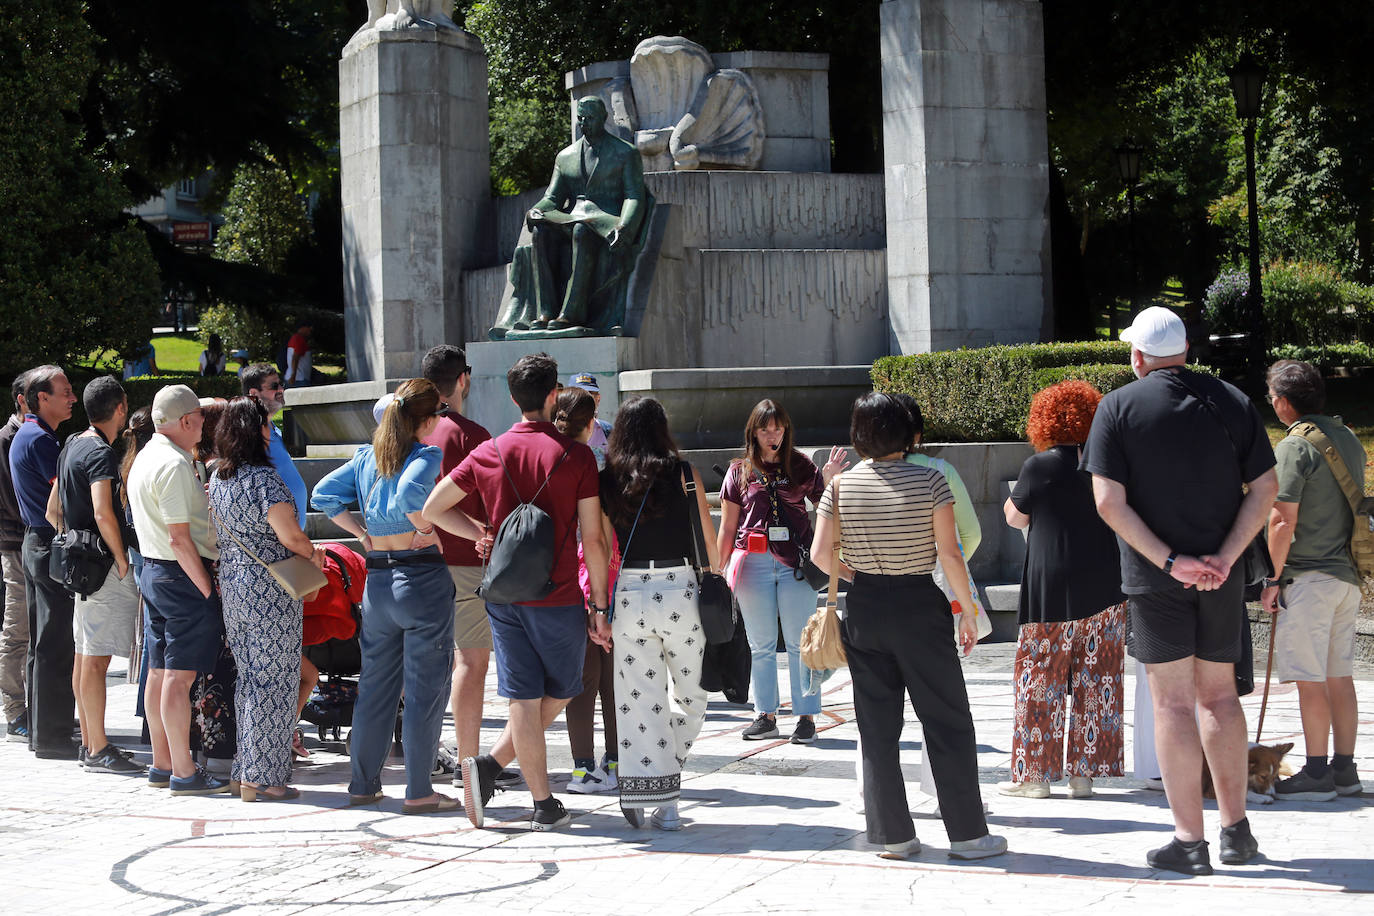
(1270, 583)
(1169, 563)
(598, 610)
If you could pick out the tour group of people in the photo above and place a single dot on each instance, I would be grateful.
(1138, 507)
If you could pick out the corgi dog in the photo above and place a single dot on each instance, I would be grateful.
(1266, 767)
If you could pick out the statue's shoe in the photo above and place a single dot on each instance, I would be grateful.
(559, 324)
(539, 324)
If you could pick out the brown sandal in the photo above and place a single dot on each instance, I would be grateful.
(443, 803)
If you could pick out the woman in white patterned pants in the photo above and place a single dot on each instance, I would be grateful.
(658, 640)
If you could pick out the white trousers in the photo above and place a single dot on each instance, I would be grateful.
(658, 641)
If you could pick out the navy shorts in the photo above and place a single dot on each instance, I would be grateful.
(539, 650)
(1166, 626)
(182, 628)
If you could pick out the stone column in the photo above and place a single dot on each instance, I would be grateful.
(415, 164)
(967, 172)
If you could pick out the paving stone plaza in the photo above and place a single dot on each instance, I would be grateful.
(769, 827)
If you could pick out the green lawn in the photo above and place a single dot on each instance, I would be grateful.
(181, 353)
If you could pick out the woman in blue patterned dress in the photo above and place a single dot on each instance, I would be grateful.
(253, 509)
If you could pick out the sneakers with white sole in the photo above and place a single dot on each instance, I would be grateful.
(1024, 789)
(761, 729)
(1080, 787)
(588, 782)
(985, 847)
(899, 851)
(665, 817)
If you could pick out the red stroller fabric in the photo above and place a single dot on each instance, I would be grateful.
(329, 615)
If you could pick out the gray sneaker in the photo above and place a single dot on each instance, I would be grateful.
(1347, 781)
(985, 847)
(1302, 786)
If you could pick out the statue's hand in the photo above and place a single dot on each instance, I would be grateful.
(534, 214)
(619, 237)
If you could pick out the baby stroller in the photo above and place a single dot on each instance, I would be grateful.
(332, 621)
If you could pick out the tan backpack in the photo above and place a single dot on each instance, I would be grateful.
(1361, 506)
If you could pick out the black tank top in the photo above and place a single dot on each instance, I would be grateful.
(668, 534)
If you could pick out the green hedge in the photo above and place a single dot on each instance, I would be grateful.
(1327, 356)
(983, 395)
(142, 389)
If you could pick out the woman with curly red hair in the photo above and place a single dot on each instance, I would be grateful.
(1072, 640)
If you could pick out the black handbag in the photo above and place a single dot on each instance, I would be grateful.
(1245, 668)
(815, 577)
(715, 602)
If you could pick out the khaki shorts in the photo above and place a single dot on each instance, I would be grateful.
(103, 623)
(471, 628)
(1315, 634)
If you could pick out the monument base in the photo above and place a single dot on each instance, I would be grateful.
(489, 402)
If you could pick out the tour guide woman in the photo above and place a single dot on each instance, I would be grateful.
(763, 511)
(893, 516)
(407, 628)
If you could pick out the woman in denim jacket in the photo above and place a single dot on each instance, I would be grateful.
(407, 628)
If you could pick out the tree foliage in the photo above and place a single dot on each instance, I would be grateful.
(77, 275)
(264, 217)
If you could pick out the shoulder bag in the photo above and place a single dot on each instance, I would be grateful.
(78, 560)
(296, 575)
(715, 602)
(822, 647)
(1256, 563)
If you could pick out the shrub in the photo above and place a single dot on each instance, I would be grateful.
(141, 390)
(1102, 377)
(264, 337)
(1326, 356)
(1307, 303)
(1224, 302)
(983, 395)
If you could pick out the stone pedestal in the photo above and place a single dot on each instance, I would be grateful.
(489, 401)
(415, 170)
(967, 172)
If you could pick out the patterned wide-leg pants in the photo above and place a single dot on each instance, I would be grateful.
(658, 641)
(1084, 659)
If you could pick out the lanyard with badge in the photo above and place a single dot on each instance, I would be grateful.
(778, 531)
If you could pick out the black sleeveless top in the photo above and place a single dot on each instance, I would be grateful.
(666, 535)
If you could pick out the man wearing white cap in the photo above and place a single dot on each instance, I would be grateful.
(184, 622)
(1168, 455)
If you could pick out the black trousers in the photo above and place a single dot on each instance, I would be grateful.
(52, 649)
(899, 638)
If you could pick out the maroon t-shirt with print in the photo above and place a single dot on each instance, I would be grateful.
(531, 450)
(757, 512)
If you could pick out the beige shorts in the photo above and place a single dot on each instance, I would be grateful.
(1314, 637)
(103, 623)
(471, 629)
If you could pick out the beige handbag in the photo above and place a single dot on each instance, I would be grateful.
(296, 575)
(822, 649)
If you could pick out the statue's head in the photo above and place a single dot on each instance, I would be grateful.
(591, 116)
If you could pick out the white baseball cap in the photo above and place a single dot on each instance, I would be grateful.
(1157, 331)
(172, 403)
(382, 404)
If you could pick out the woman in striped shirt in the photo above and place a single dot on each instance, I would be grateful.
(895, 520)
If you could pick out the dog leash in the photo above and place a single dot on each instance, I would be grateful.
(1268, 669)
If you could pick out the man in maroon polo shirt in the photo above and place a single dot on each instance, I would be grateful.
(540, 645)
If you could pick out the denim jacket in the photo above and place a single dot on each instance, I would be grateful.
(385, 501)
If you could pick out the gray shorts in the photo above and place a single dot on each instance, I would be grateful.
(103, 623)
(471, 628)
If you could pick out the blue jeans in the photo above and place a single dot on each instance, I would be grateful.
(407, 641)
(768, 591)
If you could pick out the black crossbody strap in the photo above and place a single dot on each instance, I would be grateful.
(1206, 402)
(693, 512)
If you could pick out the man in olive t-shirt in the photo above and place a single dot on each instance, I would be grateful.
(1316, 589)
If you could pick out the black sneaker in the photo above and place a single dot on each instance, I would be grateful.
(550, 816)
(1347, 780)
(805, 732)
(1303, 786)
(634, 815)
(1238, 844)
(1179, 858)
(764, 727)
(18, 730)
(82, 755)
(508, 779)
(479, 785)
(110, 760)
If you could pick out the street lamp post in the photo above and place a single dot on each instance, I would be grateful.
(1247, 85)
(1128, 164)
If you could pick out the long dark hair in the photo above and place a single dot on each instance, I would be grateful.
(765, 412)
(238, 436)
(136, 435)
(640, 455)
(208, 447)
(416, 401)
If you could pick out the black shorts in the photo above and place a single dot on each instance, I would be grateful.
(1166, 626)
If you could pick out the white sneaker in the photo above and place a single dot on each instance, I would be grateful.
(588, 782)
(1025, 789)
(608, 770)
(985, 847)
(1080, 787)
(666, 818)
(899, 851)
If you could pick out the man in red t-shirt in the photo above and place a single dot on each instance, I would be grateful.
(298, 356)
(539, 645)
(455, 435)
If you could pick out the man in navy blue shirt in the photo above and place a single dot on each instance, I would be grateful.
(262, 382)
(33, 468)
